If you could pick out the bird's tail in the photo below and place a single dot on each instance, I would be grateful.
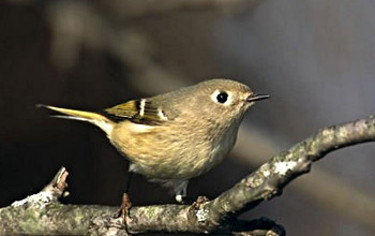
(99, 120)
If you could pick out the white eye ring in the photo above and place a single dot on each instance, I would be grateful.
(221, 97)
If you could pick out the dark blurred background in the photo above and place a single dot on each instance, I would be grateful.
(316, 59)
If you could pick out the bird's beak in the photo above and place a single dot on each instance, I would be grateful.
(257, 97)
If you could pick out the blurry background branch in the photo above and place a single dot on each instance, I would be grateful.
(23, 217)
(136, 9)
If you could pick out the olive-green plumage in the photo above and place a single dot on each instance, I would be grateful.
(173, 137)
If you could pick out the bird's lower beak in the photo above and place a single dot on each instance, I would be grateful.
(257, 97)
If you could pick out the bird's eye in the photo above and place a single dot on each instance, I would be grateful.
(222, 97)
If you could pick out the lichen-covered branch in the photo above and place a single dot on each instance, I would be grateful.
(43, 214)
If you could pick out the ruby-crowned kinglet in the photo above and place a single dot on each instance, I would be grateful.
(173, 137)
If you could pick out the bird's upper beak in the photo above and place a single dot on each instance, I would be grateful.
(257, 97)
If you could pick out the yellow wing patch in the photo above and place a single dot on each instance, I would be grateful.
(125, 110)
(141, 111)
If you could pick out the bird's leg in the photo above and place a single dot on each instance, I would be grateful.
(127, 188)
(126, 203)
(180, 188)
(181, 196)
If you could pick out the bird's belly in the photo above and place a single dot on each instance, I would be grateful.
(184, 164)
(171, 164)
(161, 155)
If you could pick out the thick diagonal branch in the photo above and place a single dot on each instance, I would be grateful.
(265, 183)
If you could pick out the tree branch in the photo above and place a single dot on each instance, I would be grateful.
(43, 214)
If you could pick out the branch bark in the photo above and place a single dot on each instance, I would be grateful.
(42, 213)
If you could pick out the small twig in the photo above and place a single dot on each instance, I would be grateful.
(58, 184)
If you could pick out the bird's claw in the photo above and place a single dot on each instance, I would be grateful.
(200, 200)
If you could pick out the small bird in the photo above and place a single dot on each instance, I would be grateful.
(173, 137)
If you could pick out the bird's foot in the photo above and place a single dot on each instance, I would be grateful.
(200, 201)
(125, 206)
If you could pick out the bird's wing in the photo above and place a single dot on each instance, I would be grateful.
(141, 111)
